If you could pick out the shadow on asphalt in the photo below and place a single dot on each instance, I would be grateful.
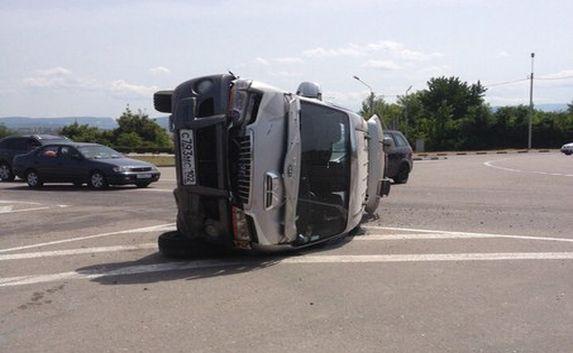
(231, 264)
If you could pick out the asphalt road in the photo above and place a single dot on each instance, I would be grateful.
(474, 254)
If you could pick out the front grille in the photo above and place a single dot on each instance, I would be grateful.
(244, 168)
(140, 169)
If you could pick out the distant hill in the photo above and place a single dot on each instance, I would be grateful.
(552, 107)
(18, 123)
(26, 125)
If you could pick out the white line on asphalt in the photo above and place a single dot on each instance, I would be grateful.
(204, 264)
(41, 254)
(33, 209)
(490, 164)
(472, 235)
(416, 236)
(159, 190)
(157, 228)
(23, 202)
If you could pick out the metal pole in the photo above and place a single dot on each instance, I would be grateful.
(530, 103)
(371, 100)
(406, 109)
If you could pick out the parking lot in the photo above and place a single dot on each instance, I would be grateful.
(474, 254)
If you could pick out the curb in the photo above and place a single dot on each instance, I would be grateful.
(436, 155)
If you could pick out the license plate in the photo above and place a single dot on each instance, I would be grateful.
(187, 146)
(144, 176)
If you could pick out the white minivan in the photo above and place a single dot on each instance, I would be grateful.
(260, 168)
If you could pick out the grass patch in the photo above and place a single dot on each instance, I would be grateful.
(160, 161)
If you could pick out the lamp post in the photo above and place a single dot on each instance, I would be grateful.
(530, 103)
(371, 100)
(406, 107)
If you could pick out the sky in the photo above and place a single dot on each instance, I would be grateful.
(94, 57)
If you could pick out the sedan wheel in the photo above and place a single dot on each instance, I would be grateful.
(33, 179)
(97, 181)
(6, 172)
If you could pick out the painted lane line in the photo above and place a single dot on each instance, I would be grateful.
(157, 190)
(417, 236)
(20, 202)
(157, 228)
(69, 252)
(324, 259)
(472, 235)
(491, 165)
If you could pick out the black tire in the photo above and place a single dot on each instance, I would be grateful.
(403, 174)
(6, 173)
(142, 184)
(97, 181)
(33, 179)
(175, 245)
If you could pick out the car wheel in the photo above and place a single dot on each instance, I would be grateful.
(6, 172)
(97, 181)
(143, 184)
(176, 245)
(33, 179)
(403, 174)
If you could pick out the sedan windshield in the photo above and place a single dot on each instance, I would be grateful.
(325, 171)
(99, 152)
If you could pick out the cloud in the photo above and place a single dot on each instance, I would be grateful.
(262, 61)
(329, 53)
(159, 70)
(58, 77)
(382, 65)
(559, 75)
(123, 88)
(503, 54)
(394, 49)
(288, 60)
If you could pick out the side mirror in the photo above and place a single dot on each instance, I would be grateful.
(388, 143)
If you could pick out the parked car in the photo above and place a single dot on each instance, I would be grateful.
(15, 145)
(79, 163)
(567, 148)
(399, 156)
(260, 168)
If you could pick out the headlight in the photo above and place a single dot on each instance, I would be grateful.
(119, 169)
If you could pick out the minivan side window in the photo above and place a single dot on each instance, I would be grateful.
(18, 144)
(48, 152)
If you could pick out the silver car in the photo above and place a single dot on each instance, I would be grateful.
(260, 168)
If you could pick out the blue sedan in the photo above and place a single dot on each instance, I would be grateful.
(79, 163)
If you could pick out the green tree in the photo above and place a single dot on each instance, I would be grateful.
(150, 133)
(129, 139)
(85, 133)
(4, 131)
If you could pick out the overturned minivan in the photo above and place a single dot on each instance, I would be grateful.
(263, 169)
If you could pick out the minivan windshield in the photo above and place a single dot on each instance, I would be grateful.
(98, 152)
(325, 171)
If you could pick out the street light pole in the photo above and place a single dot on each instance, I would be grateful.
(406, 107)
(530, 103)
(371, 100)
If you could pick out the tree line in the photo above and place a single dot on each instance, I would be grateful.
(450, 114)
(136, 132)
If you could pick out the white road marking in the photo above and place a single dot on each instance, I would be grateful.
(344, 259)
(10, 209)
(471, 235)
(80, 251)
(159, 190)
(491, 165)
(157, 228)
(22, 202)
(415, 236)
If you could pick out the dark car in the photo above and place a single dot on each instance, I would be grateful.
(79, 163)
(399, 154)
(14, 145)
